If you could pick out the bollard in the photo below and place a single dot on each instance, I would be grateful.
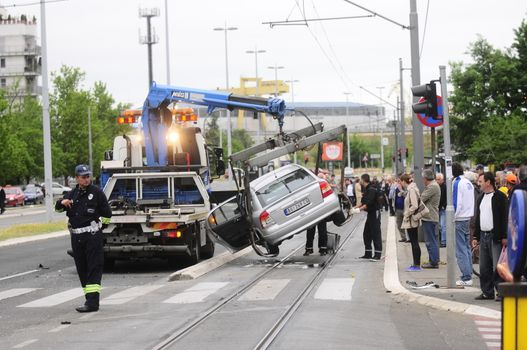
(513, 315)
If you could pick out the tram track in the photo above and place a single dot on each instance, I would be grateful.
(284, 318)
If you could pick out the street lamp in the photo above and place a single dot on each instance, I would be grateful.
(256, 52)
(381, 129)
(292, 82)
(225, 29)
(347, 122)
(276, 68)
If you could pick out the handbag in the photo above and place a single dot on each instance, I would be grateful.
(421, 211)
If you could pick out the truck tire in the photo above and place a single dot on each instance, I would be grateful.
(207, 251)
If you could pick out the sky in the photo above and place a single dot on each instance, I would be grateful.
(328, 58)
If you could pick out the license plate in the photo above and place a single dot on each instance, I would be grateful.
(297, 206)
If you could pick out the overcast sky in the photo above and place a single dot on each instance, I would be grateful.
(102, 38)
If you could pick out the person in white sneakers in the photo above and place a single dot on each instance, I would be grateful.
(463, 199)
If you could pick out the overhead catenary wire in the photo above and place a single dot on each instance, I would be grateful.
(33, 3)
(424, 29)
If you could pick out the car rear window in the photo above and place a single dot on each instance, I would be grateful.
(283, 186)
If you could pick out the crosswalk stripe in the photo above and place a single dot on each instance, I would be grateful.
(489, 329)
(488, 323)
(335, 289)
(492, 336)
(265, 290)
(128, 294)
(15, 292)
(56, 299)
(197, 293)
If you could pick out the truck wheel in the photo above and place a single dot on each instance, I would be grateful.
(207, 251)
(109, 263)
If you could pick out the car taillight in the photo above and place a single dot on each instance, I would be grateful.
(266, 219)
(325, 188)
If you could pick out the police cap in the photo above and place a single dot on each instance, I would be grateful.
(82, 169)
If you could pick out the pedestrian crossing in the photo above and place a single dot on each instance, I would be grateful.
(490, 330)
(339, 289)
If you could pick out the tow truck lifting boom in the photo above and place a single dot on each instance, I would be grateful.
(156, 118)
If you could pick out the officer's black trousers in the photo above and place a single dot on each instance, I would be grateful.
(372, 233)
(322, 236)
(89, 261)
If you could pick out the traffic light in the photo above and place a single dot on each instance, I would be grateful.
(399, 155)
(427, 104)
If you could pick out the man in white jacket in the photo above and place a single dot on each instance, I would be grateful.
(463, 199)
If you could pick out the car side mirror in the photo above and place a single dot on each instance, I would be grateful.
(220, 167)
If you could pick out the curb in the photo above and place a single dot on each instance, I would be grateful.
(206, 266)
(20, 240)
(393, 285)
(18, 215)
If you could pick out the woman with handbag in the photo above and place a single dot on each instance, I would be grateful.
(414, 209)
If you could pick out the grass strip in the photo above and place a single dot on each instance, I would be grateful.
(25, 230)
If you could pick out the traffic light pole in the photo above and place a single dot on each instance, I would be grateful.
(449, 212)
(417, 128)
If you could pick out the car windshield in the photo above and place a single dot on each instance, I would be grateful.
(283, 186)
(31, 190)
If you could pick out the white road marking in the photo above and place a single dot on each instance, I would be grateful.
(335, 289)
(26, 343)
(488, 323)
(59, 328)
(197, 293)
(15, 292)
(56, 299)
(128, 295)
(265, 290)
(18, 275)
(492, 336)
(489, 329)
(493, 344)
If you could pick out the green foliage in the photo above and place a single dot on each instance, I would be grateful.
(491, 88)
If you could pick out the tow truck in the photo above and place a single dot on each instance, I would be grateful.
(158, 180)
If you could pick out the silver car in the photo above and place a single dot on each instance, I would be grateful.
(284, 202)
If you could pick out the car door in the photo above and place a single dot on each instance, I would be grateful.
(227, 225)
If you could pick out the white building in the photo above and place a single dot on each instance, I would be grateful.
(19, 56)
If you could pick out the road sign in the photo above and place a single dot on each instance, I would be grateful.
(385, 141)
(332, 151)
(375, 156)
(429, 121)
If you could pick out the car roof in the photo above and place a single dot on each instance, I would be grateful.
(275, 174)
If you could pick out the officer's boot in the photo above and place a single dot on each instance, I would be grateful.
(91, 304)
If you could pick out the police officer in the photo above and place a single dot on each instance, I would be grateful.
(87, 209)
(372, 228)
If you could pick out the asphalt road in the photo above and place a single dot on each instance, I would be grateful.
(140, 308)
(29, 214)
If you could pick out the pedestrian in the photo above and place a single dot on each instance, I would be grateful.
(463, 200)
(411, 219)
(372, 227)
(322, 239)
(350, 192)
(522, 176)
(2, 200)
(386, 191)
(400, 194)
(391, 194)
(87, 209)
(430, 197)
(480, 169)
(440, 179)
(490, 233)
(510, 181)
(306, 158)
(333, 183)
(358, 191)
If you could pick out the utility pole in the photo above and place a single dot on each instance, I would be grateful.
(346, 93)
(381, 128)
(449, 212)
(402, 132)
(90, 152)
(45, 116)
(276, 68)
(417, 128)
(167, 42)
(257, 93)
(150, 39)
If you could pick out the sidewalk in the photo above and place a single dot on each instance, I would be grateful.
(399, 257)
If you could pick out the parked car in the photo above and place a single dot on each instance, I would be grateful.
(14, 196)
(58, 189)
(33, 194)
(284, 202)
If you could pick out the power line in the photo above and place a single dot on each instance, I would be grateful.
(377, 14)
(424, 31)
(33, 3)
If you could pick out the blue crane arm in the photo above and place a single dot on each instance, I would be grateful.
(162, 95)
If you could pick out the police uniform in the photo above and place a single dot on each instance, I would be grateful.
(88, 212)
(372, 227)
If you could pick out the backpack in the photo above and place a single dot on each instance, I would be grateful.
(380, 197)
